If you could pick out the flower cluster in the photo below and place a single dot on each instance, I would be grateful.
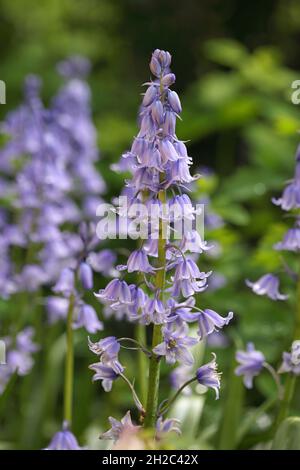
(48, 176)
(169, 275)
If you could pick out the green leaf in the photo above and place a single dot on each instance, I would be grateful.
(288, 435)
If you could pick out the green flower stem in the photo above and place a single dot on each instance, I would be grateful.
(291, 379)
(154, 368)
(69, 365)
(140, 335)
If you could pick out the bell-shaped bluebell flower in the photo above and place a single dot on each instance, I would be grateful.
(179, 376)
(116, 293)
(192, 241)
(107, 349)
(85, 274)
(291, 360)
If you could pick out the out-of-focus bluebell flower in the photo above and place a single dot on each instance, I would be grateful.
(251, 363)
(108, 350)
(87, 318)
(64, 440)
(31, 278)
(291, 241)
(176, 344)
(217, 339)
(24, 341)
(290, 198)
(267, 285)
(138, 261)
(138, 302)
(19, 357)
(208, 376)
(57, 308)
(103, 261)
(119, 427)
(164, 426)
(216, 281)
(291, 360)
